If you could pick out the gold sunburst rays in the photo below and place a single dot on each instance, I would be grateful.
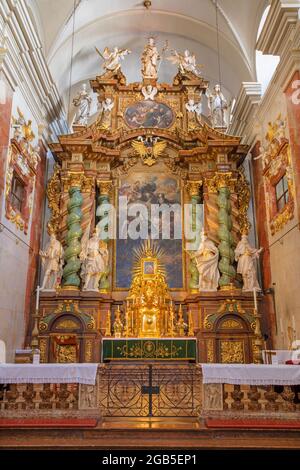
(148, 249)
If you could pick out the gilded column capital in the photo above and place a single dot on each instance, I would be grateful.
(221, 180)
(76, 179)
(105, 187)
(73, 180)
(193, 187)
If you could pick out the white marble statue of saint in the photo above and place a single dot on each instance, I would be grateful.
(52, 259)
(186, 62)
(112, 58)
(207, 258)
(246, 257)
(82, 102)
(149, 92)
(94, 257)
(217, 104)
(150, 59)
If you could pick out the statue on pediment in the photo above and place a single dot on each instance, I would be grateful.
(217, 104)
(186, 62)
(82, 102)
(112, 58)
(150, 59)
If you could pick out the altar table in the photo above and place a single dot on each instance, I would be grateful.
(251, 374)
(158, 349)
(48, 373)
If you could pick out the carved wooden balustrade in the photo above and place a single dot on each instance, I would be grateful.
(251, 399)
(148, 390)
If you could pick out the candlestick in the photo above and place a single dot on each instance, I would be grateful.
(294, 323)
(281, 325)
(37, 298)
(255, 299)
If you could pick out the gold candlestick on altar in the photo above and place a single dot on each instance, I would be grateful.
(191, 324)
(118, 325)
(108, 324)
(180, 323)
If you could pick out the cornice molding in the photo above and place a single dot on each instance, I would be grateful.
(247, 103)
(25, 67)
(279, 26)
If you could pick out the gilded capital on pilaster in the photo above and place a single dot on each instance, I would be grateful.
(221, 180)
(105, 187)
(193, 187)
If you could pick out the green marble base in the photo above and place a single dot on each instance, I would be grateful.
(160, 349)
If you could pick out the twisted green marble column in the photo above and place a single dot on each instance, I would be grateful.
(72, 267)
(103, 198)
(226, 240)
(193, 188)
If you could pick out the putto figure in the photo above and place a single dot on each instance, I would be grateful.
(52, 259)
(82, 101)
(245, 255)
(149, 92)
(112, 59)
(217, 104)
(193, 107)
(150, 59)
(94, 257)
(186, 62)
(207, 258)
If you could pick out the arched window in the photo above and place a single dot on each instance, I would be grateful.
(265, 64)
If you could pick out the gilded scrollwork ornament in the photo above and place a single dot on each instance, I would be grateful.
(53, 192)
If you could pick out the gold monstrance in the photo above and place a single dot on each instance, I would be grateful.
(149, 311)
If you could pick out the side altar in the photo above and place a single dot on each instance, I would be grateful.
(149, 147)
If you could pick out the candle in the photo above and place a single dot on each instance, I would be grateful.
(294, 323)
(37, 298)
(281, 325)
(255, 299)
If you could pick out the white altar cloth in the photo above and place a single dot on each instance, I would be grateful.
(251, 374)
(48, 373)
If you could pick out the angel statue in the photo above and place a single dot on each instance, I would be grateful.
(112, 59)
(94, 257)
(217, 104)
(246, 256)
(186, 62)
(207, 258)
(149, 149)
(82, 101)
(53, 259)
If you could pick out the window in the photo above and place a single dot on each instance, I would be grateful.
(282, 193)
(17, 193)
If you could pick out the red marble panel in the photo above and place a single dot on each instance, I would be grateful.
(292, 94)
(5, 119)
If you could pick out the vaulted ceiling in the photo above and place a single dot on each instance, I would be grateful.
(127, 23)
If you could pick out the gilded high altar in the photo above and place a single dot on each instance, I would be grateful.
(147, 127)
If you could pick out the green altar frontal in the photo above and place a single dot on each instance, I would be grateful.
(161, 349)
